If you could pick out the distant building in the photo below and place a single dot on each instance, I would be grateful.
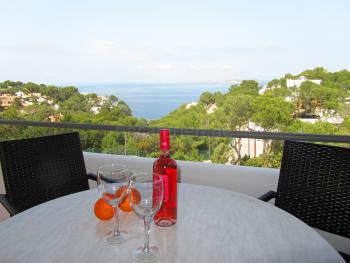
(21, 94)
(211, 108)
(189, 105)
(288, 98)
(331, 117)
(6, 100)
(252, 147)
(309, 120)
(95, 109)
(41, 100)
(297, 82)
(35, 94)
(336, 120)
(103, 98)
(263, 89)
(27, 103)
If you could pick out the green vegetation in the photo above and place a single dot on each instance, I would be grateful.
(280, 108)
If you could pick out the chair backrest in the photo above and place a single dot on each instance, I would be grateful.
(40, 169)
(314, 185)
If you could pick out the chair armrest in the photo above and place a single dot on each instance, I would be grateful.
(346, 257)
(92, 176)
(267, 196)
(5, 202)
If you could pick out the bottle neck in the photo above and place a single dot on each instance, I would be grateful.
(164, 153)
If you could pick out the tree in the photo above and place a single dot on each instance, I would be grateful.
(340, 79)
(31, 87)
(17, 103)
(278, 92)
(124, 108)
(316, 73)
(11, 113)
(206, 98)
(147, 144)
(234, 115)
(76, 102)
(218, 98)
(109, 143)
(52, 92)
(247, 87)
(221, 153)
(308, 92)
(275, 83)
(67, 92)
(38, 112)
(345, 126)
(265, 160)
(319, 127)
(113, 99)
(271, 113)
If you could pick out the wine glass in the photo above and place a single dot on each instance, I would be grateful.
(146, 198)
(114, 184)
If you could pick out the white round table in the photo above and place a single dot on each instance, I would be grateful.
(214, 225)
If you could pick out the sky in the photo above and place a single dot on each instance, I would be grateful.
(104, 41)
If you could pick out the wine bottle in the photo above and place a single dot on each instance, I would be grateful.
(167, 167)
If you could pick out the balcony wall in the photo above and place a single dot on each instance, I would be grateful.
(252, 181)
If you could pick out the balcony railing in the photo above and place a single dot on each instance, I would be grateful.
(183, 131)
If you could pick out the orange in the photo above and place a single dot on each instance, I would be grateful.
(103, 210)
(125, 205)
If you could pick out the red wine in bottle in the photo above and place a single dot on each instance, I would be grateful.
(167, 167)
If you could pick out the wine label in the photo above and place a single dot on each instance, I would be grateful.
(166, 188)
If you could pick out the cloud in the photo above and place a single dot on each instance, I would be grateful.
(154, 66)
(110, 50)
(113, 59)
(213, 66)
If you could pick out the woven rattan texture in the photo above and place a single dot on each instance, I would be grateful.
(40, 169)
(314, 185)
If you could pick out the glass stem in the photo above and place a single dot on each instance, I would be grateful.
(116, 221)
(147, 230)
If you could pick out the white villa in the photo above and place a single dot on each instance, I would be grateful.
(95, 109)
(263, 89)
(21, 94)
(211, 108)
(252, 147)
(297, 82)
(189, 105)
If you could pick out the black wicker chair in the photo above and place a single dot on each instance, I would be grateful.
(314, 185)
(40, 169)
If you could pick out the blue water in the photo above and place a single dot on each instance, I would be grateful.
(153, 101)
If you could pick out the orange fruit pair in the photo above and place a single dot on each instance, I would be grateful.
(104, 211)
(125, 205)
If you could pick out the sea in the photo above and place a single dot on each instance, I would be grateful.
(153, 101)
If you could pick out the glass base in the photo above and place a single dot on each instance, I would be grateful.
(146, 256)
(113, 238)
(164, 222)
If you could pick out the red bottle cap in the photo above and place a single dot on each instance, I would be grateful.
(164, 139)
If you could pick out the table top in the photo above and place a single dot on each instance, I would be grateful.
(214, 225)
